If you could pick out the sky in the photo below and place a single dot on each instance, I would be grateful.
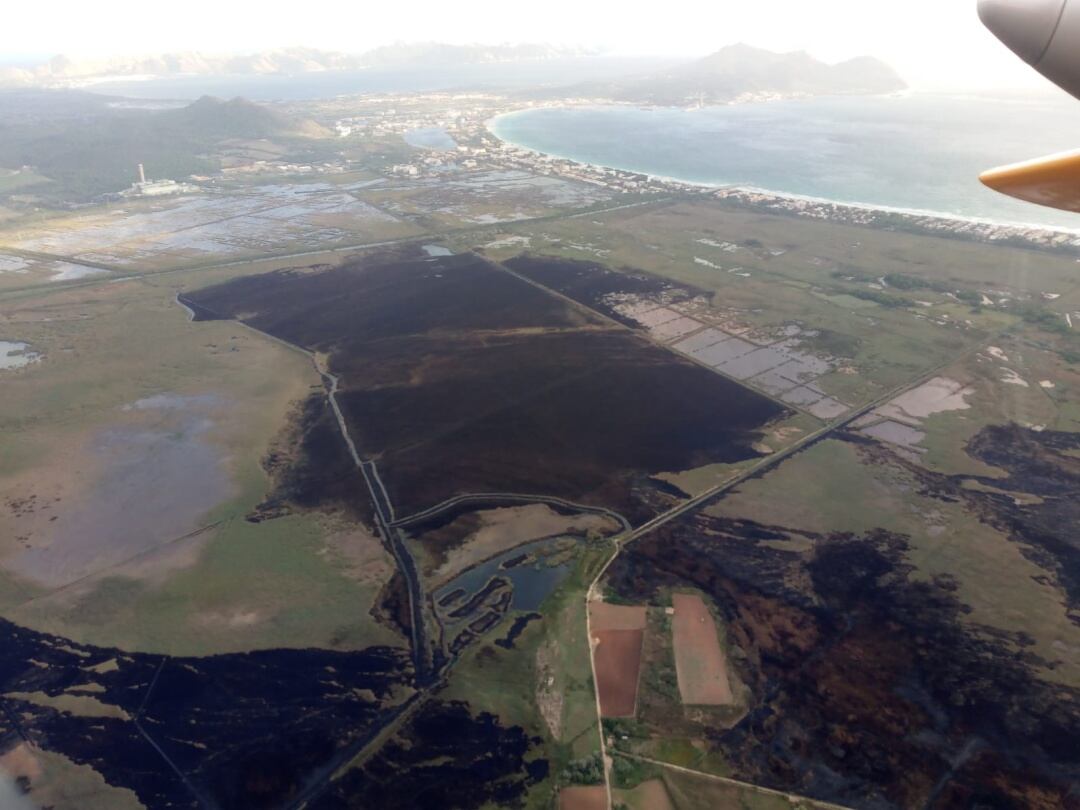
(933, 43)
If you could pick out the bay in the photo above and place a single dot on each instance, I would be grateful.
(920, 152)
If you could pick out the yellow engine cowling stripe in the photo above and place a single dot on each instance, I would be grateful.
(1052, 181)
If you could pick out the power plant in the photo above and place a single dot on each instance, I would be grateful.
(155, 188)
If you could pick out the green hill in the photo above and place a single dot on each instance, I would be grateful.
(94, 149)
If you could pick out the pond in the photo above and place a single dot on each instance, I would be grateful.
(534, 570)
(16, 355)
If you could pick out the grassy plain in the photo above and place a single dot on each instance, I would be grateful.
(834, 487)
(544, 683)
(765, 271)
(296, 581)
(642, 784)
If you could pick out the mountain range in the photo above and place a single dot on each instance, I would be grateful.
(65, 70)
(742, 71)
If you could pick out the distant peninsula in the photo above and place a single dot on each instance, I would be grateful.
(745, 73)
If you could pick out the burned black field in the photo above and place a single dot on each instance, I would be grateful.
(457, 377)
(591, 284)
(245, 730)
(869, 687)
(445, 758)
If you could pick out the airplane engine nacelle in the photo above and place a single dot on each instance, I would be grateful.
(1044, 33)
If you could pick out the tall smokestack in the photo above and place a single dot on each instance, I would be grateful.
(142, 174)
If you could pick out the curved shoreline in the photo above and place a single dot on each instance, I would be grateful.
(492, 127)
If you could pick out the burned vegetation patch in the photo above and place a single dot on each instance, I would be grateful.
(311, 468)
(244, 730)
(868, 687)
(447, 757)
(457, 377)
(597, 286)
(1044, 467)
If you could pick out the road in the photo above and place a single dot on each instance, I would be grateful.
(736, 783)
(761, 467)
(512, 498)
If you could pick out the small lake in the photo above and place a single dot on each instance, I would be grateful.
(534, 580)
(434, 138)
(16, 355)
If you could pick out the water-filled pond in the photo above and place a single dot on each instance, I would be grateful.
(16, 355)
(534, 570)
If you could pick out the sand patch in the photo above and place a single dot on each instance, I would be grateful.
(231, 619)
(700, 663)
(1010, 377)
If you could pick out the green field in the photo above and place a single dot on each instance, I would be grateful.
(304, 579)
(548, 665)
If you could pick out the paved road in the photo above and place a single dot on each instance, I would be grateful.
(512, 498)
(761, 467)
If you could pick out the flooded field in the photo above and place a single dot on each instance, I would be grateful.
(453, 371)
(264, 219)
(484, 198)
(898, 422)
(21, 271)
(154, 474)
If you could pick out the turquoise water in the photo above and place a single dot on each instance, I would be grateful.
(434, 138)
(920, 152)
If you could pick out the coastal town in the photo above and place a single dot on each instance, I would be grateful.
(463, 124)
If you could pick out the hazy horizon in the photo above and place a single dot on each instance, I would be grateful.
(932, 44)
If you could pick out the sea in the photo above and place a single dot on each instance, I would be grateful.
(915, 152)
(558, 72)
